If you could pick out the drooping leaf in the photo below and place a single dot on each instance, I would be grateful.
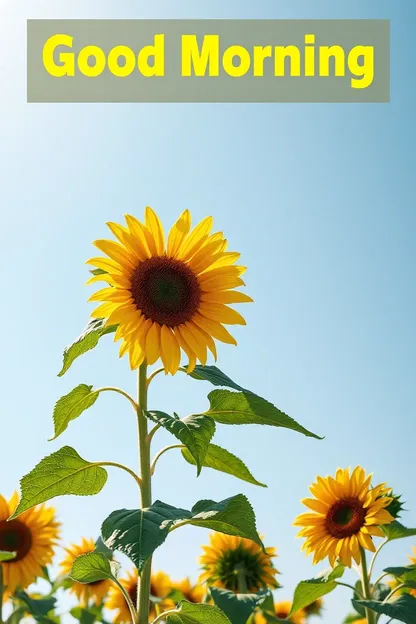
(38, 607)
(189, 613)
(64, 472)
(237, 607)
(224, 461)
(137, 533)
(195, 432)
(93, 567)
(215, 376)
(245, 408)
(71, 406)
(5, 555)
(395, 530)
(85, 342)
(402, 609)
(307, 592)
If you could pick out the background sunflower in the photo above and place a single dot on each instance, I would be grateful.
(84, 591)
(32, 536)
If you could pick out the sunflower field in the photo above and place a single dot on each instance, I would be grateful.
(167, 299)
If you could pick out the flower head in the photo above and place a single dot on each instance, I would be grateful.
(84, 592)
(346, 515)
(160, 588)
(32, 536)
(168, 297)
(191, 593)
(229, 561)
(282, 610)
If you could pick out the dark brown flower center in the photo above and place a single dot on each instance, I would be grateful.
(166, 290)
(345, 518)
(15, 537)
(282, 613)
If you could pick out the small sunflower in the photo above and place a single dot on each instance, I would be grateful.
(168, 297)
(315, 608)
(227, 557)
(282, 610)
(191, 593)
(84, 592)
(346, 514)
(32, 536)
(160, 588)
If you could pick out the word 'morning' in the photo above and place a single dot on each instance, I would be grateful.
(209, 60)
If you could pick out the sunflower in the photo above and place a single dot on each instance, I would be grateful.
(191, 593)
(282, 610)
(346, 514)
(85, 592)
(32, 536)
(315, 608)
(160, 588)
(168, 297)
(227, 557)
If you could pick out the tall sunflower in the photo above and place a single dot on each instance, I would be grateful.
(32, 536)
(346, 514)
(168, 297)
(84, 592)
(282, 610)
(191, 593)
(230, 561)
(160, 588)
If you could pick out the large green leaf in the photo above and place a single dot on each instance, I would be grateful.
(64, 472)
(71, 406)
(195, 432)
(37, 607)
(215, 376)
(6, 555)
(237, 607)
(93, 567)
(402, 609)
(407, 573)
(85, 342)
(245, 408)
(224, 461)
(307, 592)
(137, 533)
(395, 530)
(189, 613)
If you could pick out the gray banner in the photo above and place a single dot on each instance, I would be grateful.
(208, 61)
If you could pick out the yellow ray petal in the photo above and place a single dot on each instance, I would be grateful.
(225, 296)
(194, 240)
(221, 313)
(170, 351)
(116, 252)
(152, 347)
(178, 233)
(156, 229)
(215, 329)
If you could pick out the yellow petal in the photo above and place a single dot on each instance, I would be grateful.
(117, 252)
(152, 349)
(170, 351)
(225, 296)
(214, 329)
(178, 233)
(106, 264)
(221, 313)
(193, 241)
(156, 229)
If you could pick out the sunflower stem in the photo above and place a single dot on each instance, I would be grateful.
(241, 580)
(143, 589)
(366, 586)
(162, 452)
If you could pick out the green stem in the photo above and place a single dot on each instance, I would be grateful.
(128, 600)
(394, 591)
(122, 467)
(164, 615)
(119, 391)
(143, 590)
(241, 579)
(1, 594)
(373, 560)
(370, 615)
(162, 452)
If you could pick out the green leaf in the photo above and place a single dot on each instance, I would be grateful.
(38, 607)
(102, 548)
(71, 406)
(245, 408)
(195, 432)
(402, 609)
(64, 472)
(395, 530)
(224, 461)
(215, 376)
(237, 607)
(93, 567)
(85, 342)
(6, 555)
(137, 533)
(189, 613)
(307, 592)
(84, 616)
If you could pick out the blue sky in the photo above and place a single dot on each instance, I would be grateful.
(320, 201)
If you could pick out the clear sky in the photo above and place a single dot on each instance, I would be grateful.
(320, 201)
